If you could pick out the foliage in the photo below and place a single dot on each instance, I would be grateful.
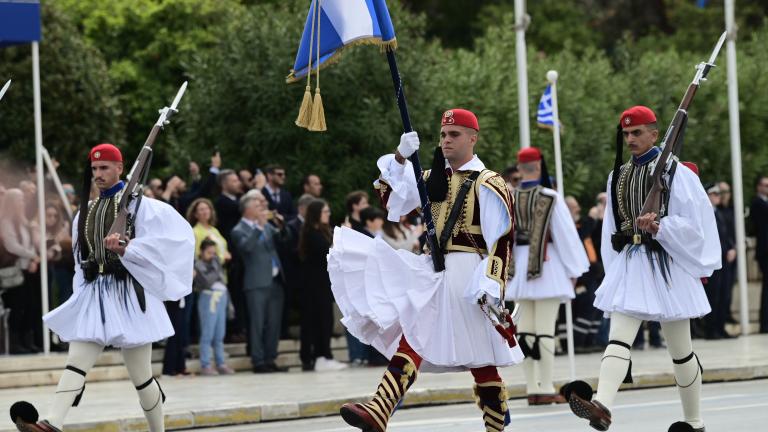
(147, 45)
(78, 103)
(236, 54)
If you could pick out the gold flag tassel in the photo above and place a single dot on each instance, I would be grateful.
(305, 111)
(317, 123)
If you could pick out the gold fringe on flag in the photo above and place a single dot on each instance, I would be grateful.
(305, 111)
(317, 122)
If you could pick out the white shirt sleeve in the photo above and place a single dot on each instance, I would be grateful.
(161, 257)
(609, 228)
(565, 239)
(689, 231)
(404, 195)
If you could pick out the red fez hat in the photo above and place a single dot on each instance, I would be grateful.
(692, 166)
(636, 116)
(105, 152)
(528, 154)
(460, 117)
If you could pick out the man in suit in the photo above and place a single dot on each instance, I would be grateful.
(227, 210)
(759, 216)
(256, 241)
(279, 199)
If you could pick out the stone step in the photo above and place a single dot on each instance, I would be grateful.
(38, 370)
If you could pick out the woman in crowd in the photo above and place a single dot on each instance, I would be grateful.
(400, 237)
(316, 295)
(16, 234)
(202, 216)
(59, 251)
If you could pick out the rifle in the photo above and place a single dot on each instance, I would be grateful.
(123, 223)
(4, 89)
(670, 144)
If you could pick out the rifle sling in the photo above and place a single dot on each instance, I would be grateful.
(458, 206)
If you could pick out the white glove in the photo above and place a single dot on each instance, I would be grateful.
(409, 144)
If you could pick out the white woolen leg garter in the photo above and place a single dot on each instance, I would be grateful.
(151, 397)
(617, 360)
(687, 369)
(80, 359)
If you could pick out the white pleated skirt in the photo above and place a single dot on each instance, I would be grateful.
(553, 282)
(384, 294)
(122, 324)
(634, 286)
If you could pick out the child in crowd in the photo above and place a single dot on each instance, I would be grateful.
(211, 308)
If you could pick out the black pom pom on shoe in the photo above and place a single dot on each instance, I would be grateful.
(24, 411)
(579, 388)
(683, 427)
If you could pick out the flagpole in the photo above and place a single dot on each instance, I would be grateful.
(552, 78)
(406, 118)
(738, 192)
(521, 23)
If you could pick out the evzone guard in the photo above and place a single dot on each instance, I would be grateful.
(426, 320)
(548, 257)
(653, 269)
(119, 288)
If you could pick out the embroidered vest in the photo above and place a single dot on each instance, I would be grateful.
(467, 235)
(101, 214)
(533, 213)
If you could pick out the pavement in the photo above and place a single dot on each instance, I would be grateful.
(738, 406)
(246, 398)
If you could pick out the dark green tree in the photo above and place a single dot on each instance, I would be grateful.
(78, 106)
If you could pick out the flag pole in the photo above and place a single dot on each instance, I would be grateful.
(552, 78)
(738, 192)
(426, 210)
(521, 23)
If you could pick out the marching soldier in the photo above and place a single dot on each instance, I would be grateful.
(119, 288)
(548, 257)
(653, 265)
(423, 320)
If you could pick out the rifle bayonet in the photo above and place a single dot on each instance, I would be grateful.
(4, 89)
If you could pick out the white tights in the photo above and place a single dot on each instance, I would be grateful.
(687, 373)
(82, 356)
(537, 318)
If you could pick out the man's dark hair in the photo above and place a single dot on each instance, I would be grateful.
(509, 172)
(305, 179)
(354, 198)
(371, 214)
(759, 179)
(206, 243)
(271, 168)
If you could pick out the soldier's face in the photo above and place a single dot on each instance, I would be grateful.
(457, 142)
(106, 174)
(640, 139)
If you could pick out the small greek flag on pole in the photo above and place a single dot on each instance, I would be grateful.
(544, 116)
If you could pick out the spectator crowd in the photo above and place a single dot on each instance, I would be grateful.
(261, 268)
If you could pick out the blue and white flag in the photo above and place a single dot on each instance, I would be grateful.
(545, 117)
(342, 23)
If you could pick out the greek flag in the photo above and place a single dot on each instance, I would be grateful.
(342, 23)
(544, 116)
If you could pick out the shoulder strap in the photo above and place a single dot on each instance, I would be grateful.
(458, 205)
